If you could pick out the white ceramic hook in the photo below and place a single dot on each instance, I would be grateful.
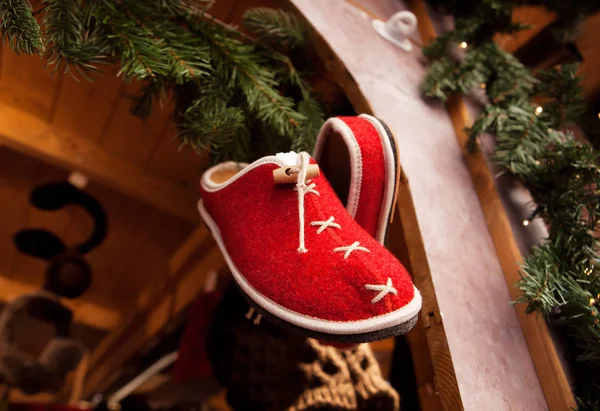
(398, 29)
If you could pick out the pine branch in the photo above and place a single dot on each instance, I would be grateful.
(18, 25)
(69, 43)
(242, 67)
(305, 138)
(275, 26)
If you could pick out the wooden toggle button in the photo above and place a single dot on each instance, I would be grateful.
(286, 175)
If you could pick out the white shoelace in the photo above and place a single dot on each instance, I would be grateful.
(302, 188)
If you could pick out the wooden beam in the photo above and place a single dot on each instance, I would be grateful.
(550, 372)
(30, 135)
(85, 312)
(552, 377)
(189, 266)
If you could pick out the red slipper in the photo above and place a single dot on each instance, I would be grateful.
(359, 157)
(300, 258)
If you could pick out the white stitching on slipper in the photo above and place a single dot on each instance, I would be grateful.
(325, 224)
(355, 246)
(310, 188)
(383, 290)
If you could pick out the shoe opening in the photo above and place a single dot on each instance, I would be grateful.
(335, 164)
(222, 173)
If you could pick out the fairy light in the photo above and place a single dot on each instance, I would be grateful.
(483, 86)
(463, 45)
(531, 217)
(549, 130)
(538, 110)
(537, 162)
(592, 301)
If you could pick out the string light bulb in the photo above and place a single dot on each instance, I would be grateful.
(531, 216)
(537, 162)
(592, 301)
(538, 110)
(463, 45)
(549, 130)
(483, 86)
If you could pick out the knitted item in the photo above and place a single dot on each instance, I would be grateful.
(373, 392)
(265, 368)
(347, 287)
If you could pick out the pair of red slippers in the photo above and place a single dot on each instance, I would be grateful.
(308, 253)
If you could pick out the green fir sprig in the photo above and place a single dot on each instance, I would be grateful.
(237, 97)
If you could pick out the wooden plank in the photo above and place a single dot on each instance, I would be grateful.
(433, 361)
(130, 137)
(93, 315)
(535, 16)
(456, 246)
(26, 133)
(96, 100)
(587, 44)
(179, 164)
(25, 268)
(16, 172)
(26, 85)
(550, 372)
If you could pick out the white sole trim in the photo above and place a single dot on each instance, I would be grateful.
(378, 323)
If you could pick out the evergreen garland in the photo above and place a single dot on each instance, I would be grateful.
(529, 116)
(18, 25)
(238, 97)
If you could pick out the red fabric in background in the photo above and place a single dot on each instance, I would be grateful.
(258, 222)
(373, 173)
(193, 362)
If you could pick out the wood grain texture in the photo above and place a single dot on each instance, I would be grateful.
(134, 253)
(130, 137)
(85, 108)
(535, 16)
(588, 45)
(98, 111)
(26, 133)
(552, 377)
(25, 84)
(482, 332)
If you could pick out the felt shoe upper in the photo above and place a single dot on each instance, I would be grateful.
(358, 156)
(344, 282)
